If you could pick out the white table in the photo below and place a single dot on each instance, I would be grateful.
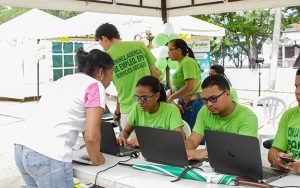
(127, 177)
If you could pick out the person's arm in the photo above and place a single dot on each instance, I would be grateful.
(294, 166)
(92, 135)
(274, 158)
(180, 129)
(154, 71)
(191, 143)
(122, 139)
(193, 140)
(185, 90)
(117, 113)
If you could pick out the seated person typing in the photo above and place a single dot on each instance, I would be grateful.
(151, 110)
(220, 114)
(287, 140)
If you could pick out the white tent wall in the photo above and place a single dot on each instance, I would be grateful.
(18, 75)
(18, 38)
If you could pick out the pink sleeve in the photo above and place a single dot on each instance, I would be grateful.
(94, 96)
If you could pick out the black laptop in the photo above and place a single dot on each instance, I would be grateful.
(109, 143)
(163, 146)
(238, 155)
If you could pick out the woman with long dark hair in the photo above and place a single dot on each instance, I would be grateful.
(186, 80)
(73, 104)
(151, 110)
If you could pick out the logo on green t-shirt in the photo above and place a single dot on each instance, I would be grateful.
(294, 142)
(129, 63)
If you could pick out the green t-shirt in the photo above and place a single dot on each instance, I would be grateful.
(188, 69)
(167, 117)
(288, 134)
(132, 61)
(233, 94)
(241, 121)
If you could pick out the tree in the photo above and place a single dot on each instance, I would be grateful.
(63, 14)
(248, 30)
(8, 13)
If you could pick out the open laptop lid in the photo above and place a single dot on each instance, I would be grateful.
(234, 154)
(162, 146)
(109, 143)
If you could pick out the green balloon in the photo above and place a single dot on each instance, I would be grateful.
(160, 39)
(173, 36)
(172, 64)
(161, 64)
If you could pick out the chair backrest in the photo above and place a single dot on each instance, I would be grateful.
(186, 129)
(273, 107)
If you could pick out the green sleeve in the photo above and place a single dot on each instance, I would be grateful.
(249, 126)
(133, 115)
(199, 125)
(149, 56)
(280, 141)
(175, 119)
(189, 70)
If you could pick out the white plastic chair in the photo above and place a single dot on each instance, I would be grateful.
(269, 110)
(186, 129)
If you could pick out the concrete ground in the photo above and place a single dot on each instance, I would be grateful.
(12, 115)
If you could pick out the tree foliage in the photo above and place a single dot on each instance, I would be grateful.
(246, 31)
(63, 14)
(7, 13)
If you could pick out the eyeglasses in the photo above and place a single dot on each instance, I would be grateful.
(212, 99)
(142, 98)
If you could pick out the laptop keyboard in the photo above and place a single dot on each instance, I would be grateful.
(270, 173)
(126, 149)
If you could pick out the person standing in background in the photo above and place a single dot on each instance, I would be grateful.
(133, 60)
(186, 80)
(219, 70)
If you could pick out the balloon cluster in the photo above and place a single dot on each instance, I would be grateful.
(160, 41)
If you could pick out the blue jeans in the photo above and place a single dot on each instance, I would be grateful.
(41, 171)
(191, 111)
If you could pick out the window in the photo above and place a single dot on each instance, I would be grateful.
(63, 58)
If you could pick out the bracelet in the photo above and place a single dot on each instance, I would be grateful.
(117, 114)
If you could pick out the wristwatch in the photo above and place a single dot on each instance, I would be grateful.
(117, 114)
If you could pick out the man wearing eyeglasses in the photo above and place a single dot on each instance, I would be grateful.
(220, 114)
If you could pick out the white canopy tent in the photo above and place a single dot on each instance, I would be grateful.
(19, 43)
(129, 25)
(34, 24)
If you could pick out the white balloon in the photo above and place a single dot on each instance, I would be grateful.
(155, 52)
(164, 52)
(168, 28)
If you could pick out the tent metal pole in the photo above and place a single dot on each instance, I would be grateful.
(38, 75)
(164, 17)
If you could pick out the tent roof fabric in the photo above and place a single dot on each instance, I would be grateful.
(129, 25)
(34, 24)
(152, 7)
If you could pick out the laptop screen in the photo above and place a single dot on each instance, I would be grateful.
(234, 154)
